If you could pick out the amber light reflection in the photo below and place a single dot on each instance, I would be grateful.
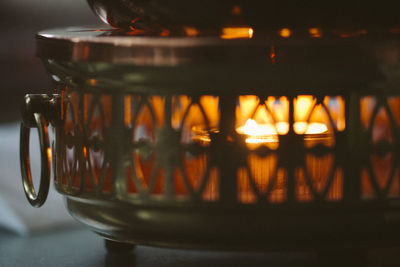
(267, 132)
(258, 121)
(381, 119)
(192, 119)
(261, 123)
(285, 32)
(237, 33)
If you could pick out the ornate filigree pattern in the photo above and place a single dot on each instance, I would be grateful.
(181, 148)
(380, 168)
(165, 159)
(85, 158)
(68, 168)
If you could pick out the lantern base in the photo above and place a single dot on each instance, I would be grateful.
(242, 227)
(114, 247)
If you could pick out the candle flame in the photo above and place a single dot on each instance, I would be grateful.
(253, 128)
(263, 121)
(268, 132)
(310, 128)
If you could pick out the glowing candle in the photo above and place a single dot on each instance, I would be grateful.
(267, 132)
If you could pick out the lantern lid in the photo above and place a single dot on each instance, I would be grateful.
(239, 56)
(229, 45)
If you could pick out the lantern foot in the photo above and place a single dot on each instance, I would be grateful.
(118, 247)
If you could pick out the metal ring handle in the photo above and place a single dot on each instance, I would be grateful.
(35, 199)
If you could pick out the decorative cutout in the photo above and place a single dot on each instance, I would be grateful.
(382, 174)
(261, 180)
(144, 168)
(70, 176)
(380, 121)
(96, 152)
(196, 124)
(318, 178)
(173, 149)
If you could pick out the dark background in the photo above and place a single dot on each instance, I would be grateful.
(21, 71)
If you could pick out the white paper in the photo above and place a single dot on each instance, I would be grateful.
(16, 214)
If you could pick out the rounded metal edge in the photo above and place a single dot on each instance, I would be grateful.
(89, 45)
(92, 45)
(207, 229)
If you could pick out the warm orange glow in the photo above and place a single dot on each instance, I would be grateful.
(267, 132)
(272, 54)
(49, 153)
(191, 32)
(134, 31)
(258, 133)
(380, 123)
(202, 136)
(303, 105)
(236, 10)
(210, 105)
(134, 20)
(128, 109)
(310, 128)
(253, 129)
(251, 107)
(307, 109)
(261, 121)
(315, 32)
(196, 119)
(237, 33)
(165, 33)
(350, 33)
(84, 152)
(285, 32)
(92, 82)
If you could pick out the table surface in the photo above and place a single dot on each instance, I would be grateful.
(80, 247)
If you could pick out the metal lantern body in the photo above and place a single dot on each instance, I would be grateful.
(149, 147)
